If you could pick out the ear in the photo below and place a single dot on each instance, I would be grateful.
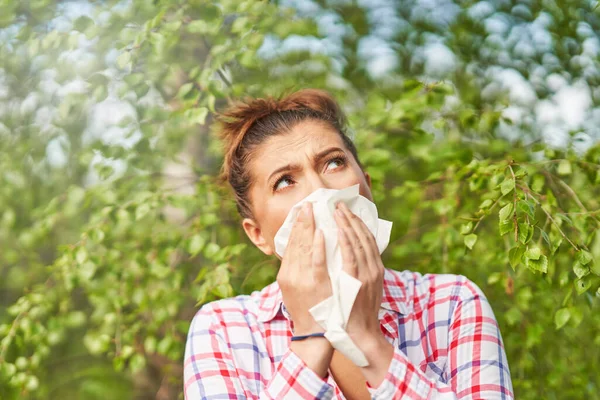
(368, 178)
(256, 236)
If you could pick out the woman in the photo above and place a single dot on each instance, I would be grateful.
(425, 336)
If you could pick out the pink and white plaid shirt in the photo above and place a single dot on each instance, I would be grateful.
(447, 345)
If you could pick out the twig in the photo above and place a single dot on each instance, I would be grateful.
(515, 223)
(558, 160)
(484, 215)
(573, 195)
(11, 333)
(525, 189)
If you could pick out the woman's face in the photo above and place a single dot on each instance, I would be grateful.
(288, 167)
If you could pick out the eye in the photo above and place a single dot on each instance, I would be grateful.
(277, 186)
(341, 161)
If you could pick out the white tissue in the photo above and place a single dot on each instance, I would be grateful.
(333, 313)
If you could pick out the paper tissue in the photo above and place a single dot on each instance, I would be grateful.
(333, 313)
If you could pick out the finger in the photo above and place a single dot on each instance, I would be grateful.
(362, 246)
(318, 255)
(358, 246)
(361, 229)
(375, 264)
(348, 259)
(294, 234)
(308, 230)
(297, 226)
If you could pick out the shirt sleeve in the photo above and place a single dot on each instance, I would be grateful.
(476, 369)
(210, 370)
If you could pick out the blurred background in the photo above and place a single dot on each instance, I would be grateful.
(479, 122)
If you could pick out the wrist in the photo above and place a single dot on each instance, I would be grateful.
(368, 341)
(306, 329)
(316, 352)
(374, 346)
(379, 353)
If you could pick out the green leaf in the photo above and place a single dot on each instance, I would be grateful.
(514, 256)
(582, 285)
(564, 167)
(512, 316)
(223, 290)
(185, 89)
(196, 244)
(540, 264)
(580, 270)
(545, 236)
(505, 227)
(576, 317)
(141, 211)
(561, 317)
(507, 186)
(533, 253)
(197, 115)
(124, 59)
(470, 240)
(87, 270)
(239, 24)
(150, 344)
(100, 93)
(555, 245)
(525, 232)
(494, 278)
(563, 278)
(595, 268)
(584, 257)
(520, 173)
(137, 362)
(199, 26)
(486, 204)
(82, 23)
(465, 229)
(211, 249)
(81, 255)
(506, 212)
(538, 183)
(527, 208)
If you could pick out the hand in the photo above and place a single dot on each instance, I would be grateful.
(361, 260)
(303, 276)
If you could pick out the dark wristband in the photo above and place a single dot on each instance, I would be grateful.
(302, 337)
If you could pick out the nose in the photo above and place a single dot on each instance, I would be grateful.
(315, 181)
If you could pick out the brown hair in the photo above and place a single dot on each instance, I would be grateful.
(244, 125)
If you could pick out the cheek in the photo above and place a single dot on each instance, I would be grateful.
(276, 212)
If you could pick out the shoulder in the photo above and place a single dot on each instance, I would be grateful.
(428, 290)
(238, 311)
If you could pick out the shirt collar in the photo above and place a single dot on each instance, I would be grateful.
(393, 298)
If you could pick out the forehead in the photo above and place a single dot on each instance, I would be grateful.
(306, 138)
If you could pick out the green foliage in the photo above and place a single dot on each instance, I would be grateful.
(114, 228)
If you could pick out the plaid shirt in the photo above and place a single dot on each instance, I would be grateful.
(447, 345)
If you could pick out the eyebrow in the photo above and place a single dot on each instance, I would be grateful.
(318, 157)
